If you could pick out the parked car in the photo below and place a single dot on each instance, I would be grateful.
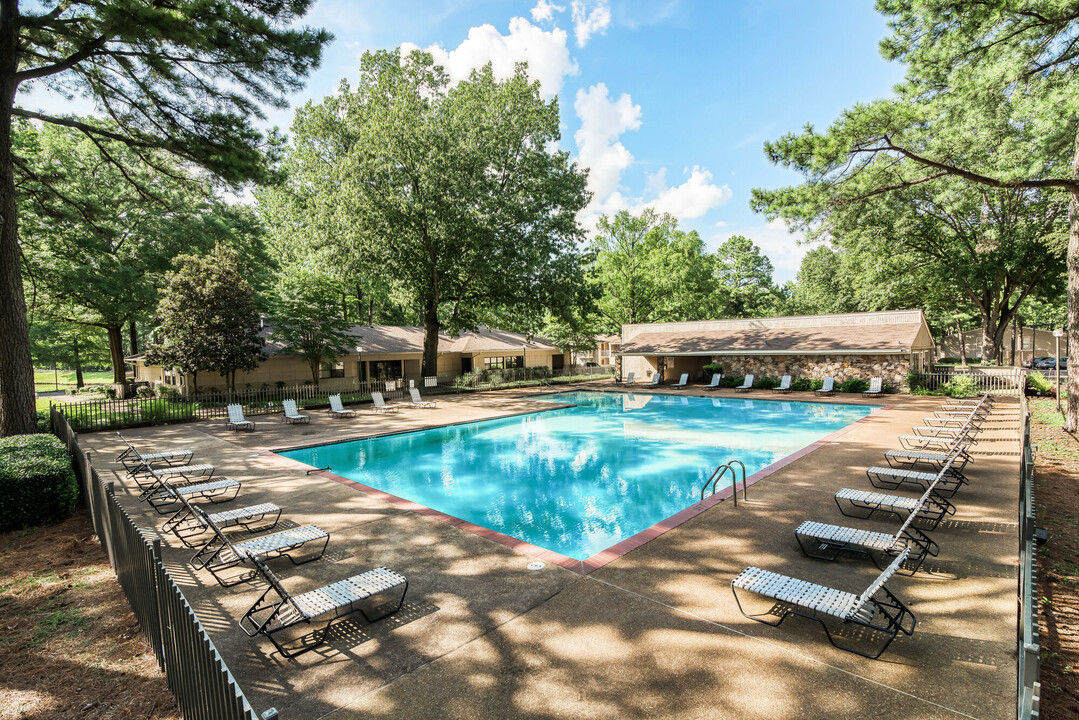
(1051, 364)
(591, 364)
(1033, 363)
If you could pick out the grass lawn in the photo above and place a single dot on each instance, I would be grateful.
(45, 380)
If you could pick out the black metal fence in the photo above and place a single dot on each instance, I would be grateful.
(115, 414)
(1029, 639)
(195, 672)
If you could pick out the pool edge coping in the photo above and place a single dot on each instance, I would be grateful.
(593, 562)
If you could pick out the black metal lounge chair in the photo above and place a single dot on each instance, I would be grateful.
(863, 504)
(148, 477)
(162, 499)
(892, 478)
(133, 460)
(236, 420)
(828, 542)
(219, 553)
(358, 593)
(186, 524)
(877, 608)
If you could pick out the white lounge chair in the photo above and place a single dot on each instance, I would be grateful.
(875, 388)
(682, 381)
(339, 410)
(747, 384)
(784, 385)
(828, 388)
(630, 378)
(419, 402)
(291, 414)
(236, 420)
(809, 600)
(380, 403)
(135, 461)
(717, 378)
(654, 381)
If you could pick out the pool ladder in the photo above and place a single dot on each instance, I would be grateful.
(717, 475)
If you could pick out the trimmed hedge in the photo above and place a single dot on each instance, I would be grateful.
(37, 482)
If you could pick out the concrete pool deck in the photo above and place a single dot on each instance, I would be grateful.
(654, 633)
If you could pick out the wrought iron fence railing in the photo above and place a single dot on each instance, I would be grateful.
(194, 670)
(114, 414)
(1029, 640)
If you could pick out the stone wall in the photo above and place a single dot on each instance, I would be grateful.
(893, 368)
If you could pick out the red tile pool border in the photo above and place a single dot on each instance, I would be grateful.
(595, 562)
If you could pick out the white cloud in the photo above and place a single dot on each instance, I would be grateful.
(588, 22)
(602, 122)
(692, 199)
(722, 224)
(544, 11)
(782, 247)
(546, 53)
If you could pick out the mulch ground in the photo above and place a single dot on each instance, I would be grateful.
(70, 646)
(1056, 488)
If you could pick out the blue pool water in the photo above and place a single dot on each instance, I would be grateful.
(578, 480)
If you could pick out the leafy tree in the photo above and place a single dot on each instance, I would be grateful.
(745, 274)
(67, 345)
(649, 271)
(102, 263)
(463, 203)
(307, 317)
(989, 97)
(184, 77)
(207, 318)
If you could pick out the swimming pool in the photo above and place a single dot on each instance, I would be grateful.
(578, 480)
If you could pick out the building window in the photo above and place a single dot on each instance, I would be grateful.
(500, 363)
(332, 370)
(386, 370)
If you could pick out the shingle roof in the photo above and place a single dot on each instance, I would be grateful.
(395, 339)
(859, 333)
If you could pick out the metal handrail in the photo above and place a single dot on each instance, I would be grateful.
(718, 474)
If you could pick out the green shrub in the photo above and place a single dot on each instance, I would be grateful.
(765, 383)
(37, 483)
(712, 368)
(1037, 384)
(733, 381)
(804, 384)
(44, 424)
(854, 385)
(960, 386)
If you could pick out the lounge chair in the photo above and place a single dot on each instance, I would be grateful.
(219, 553)
(344, 597)
(380, 404)
(186, 524)
(717, 378)
(827, 542)
(876, 388)
(828, 388)
(339, 410)
(682, 381)
(905, 459)
(747, 384)
(236, 420)
(291, 415)
(784, 385)
(630, 378)
(890, 478)
(925, 442)
(164, 497)
(654, 381)
(809, 600)
(419, 402)
(864, 504)
(151, 477)
(133, 460)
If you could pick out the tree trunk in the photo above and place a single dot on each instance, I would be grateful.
(359, 304)
(77, 362)
(1071, 421)
(990, 326)
(371, 311)
(116, 352)
(313, 363)
(133, 338)
(17, 407)
(430, 339)
(195, 382)
(962, 343)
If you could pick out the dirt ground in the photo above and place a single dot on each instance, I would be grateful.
(1056, 488)
(70, 646)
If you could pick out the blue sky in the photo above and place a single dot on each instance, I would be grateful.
(667, 102)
